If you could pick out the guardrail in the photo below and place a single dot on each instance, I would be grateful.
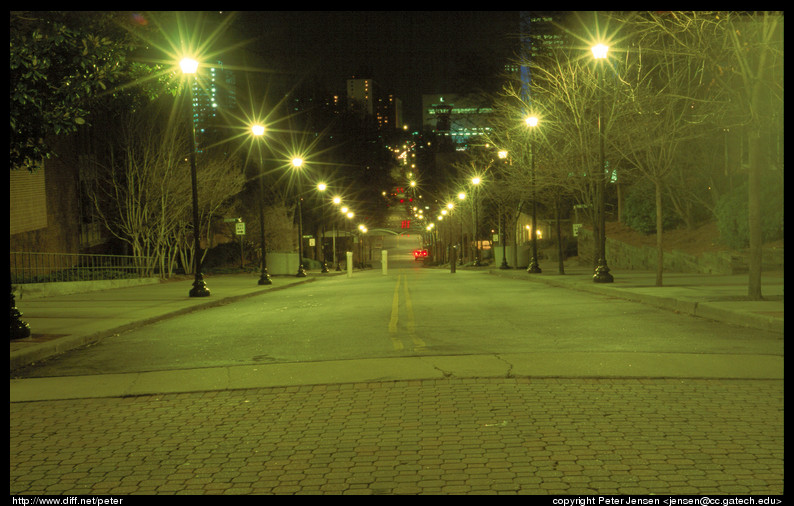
(27, 267)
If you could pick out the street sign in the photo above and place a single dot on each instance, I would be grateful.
(239, 228)
(576, 227)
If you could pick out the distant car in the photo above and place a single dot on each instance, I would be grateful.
(420, 254)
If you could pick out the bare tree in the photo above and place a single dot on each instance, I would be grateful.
(143, 194)
(659, 108)
(564, 144)
(744, 60)
(219, 178)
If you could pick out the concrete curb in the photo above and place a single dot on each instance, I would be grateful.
(517, 365)
(36, 290)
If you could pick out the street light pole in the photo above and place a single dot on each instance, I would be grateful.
(189, 68)
(475, 203)
(503, 220)
(461, 197)
(601, 274)
(533, 268)
(321, 188)
(264, 277)
(296, 164)
(336, 201)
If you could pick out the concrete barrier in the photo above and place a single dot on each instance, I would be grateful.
(37, 290)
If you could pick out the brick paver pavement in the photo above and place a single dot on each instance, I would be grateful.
(470, 436)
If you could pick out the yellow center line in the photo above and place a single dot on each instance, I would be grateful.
(419, 345)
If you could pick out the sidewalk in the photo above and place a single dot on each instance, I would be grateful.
(62, 322)
(715, 297)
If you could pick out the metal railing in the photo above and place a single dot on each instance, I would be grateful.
(27, 267)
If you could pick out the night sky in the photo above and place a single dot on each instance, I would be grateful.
(408, 52)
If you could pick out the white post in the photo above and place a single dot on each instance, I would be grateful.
(384, 260)
(349, 263)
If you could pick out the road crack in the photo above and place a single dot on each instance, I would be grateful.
(509, 373)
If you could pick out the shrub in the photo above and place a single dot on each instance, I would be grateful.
(732, 216)
(639, 211)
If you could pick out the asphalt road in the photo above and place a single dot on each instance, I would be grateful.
(410, 311)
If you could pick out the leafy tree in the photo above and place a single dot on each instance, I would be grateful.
(59, 62)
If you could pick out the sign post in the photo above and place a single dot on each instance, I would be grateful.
(239, 229)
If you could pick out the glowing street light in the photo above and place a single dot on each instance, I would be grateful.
(321, 187)
(258, 131)
(476, 182)
(189, 68)
(599, 51)
(188, 65)
(533, 268)
(296, 165)
(601, 274)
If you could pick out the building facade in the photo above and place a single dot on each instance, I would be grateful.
(366, 99)
(459, 119)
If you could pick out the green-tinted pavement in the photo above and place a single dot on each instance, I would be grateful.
(523, 423)
(64, 322)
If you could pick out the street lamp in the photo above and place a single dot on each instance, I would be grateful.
(264, 278)
(296, 165)
(461, 197)
(502, 218)
(476, 182)
(350, 214)
(336, 201)
(362, 230)
(321, 187)
(533, 268)
(189, 67)
(602, 274)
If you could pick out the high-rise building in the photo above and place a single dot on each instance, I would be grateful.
(361, 96)
(367, 100)
(541, 31)
(390, 112)
(214, 90)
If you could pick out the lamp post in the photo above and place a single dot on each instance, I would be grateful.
(461, 197)
(336, 201)
(361, 231)
(476, 182)
(533, 268)
(189, 67)
(503, 222)
(321, 187)
(296, 165)
(264, 278)
(350, 214)
(601, 274)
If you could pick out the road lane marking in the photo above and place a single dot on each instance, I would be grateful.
(419, 345)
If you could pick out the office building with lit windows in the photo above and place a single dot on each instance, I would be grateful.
(460, 119)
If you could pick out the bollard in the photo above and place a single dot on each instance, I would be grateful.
(384, 260)
(349, 263)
